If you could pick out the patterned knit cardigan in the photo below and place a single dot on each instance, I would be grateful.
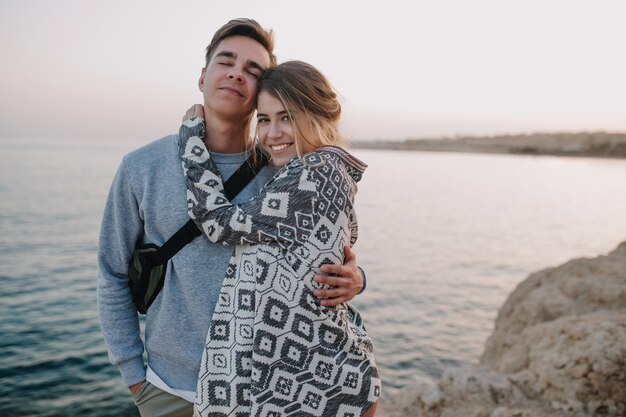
(272, 349)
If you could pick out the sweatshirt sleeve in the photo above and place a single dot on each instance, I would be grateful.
(121, 228)
(285, 211)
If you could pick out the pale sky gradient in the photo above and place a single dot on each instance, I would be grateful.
(128, 69)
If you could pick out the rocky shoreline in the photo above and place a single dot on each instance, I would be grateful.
(586, 144)
(558, 350)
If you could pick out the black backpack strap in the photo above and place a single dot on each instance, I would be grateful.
(244, 174)
(233, 186)
(174, 244)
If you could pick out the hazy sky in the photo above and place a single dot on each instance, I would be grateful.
(129, 68)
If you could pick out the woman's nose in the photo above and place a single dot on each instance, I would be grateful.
(275, 131)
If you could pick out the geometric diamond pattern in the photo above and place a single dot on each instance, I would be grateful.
(272, 349)
(294, 353)
(313, 401)
(303, 327)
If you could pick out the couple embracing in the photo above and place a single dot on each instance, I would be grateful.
(252, 319)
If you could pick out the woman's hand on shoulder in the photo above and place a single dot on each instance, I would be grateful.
(197, 110)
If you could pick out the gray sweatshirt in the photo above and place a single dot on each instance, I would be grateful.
(147, 203)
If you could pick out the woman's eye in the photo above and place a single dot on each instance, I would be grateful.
(262, 120)
(254, 74)
(285, 118)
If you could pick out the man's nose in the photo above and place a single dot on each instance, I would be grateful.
(235, 74)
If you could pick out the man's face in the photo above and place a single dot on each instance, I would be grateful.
(229, 82)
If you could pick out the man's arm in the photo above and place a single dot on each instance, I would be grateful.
(347, 279)
(121, 227)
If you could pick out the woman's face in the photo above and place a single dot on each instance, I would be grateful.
(275, 129)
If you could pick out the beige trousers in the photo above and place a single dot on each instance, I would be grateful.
(153, 402)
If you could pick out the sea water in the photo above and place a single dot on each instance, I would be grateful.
(443, 238)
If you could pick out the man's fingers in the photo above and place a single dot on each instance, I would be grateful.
(331, 302)
(335, 292)
(341, 270)
(349, 256)
(333, 281)
(334, 269)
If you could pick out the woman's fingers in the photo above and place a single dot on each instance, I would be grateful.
(197, 110)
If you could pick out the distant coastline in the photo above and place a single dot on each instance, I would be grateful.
(584, 144)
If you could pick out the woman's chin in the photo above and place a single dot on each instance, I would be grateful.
(281, 159)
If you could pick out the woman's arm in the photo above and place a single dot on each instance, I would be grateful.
(205, 185)
(284, 211)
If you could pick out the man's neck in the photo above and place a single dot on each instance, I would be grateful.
(224, 136)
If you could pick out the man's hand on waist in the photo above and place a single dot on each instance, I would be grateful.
(133, 388)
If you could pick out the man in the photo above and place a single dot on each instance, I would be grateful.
(147, 204)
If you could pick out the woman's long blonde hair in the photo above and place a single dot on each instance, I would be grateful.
(309, 99)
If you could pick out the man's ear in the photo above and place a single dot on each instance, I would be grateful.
(201, 80)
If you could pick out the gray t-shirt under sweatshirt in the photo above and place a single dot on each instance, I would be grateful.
(148, 201)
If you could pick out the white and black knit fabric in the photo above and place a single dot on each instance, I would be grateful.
(272, 350)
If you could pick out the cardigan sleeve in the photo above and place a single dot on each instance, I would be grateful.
(285, 211)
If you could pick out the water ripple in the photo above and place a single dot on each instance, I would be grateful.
(453, 244)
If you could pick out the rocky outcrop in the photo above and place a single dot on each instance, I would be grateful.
(470, 391)
(558, 349)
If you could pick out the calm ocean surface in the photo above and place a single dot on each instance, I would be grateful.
(444, 238)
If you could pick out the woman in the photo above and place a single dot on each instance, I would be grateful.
(271, 346)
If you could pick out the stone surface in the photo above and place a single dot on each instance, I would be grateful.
(578, 287)
(558, 350)
(470, 391)
(577, 363)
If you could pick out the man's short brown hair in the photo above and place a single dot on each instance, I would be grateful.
(249, 28)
